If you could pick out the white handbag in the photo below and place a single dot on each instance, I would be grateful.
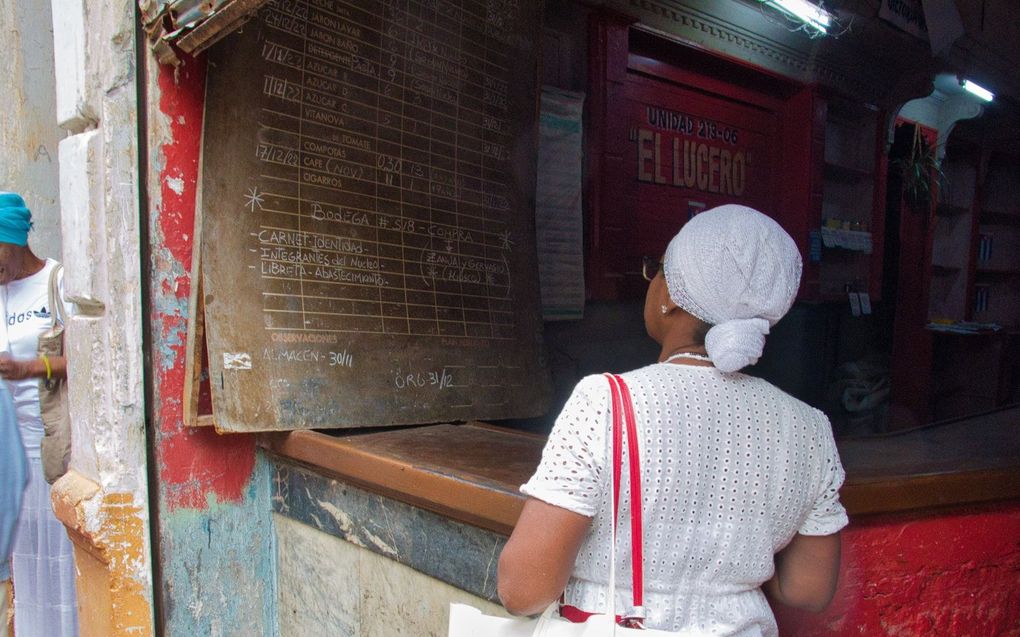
(468, 621)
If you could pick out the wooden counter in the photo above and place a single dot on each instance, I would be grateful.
(470, 472)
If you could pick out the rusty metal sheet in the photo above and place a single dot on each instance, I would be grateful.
(191, 25)
(368, 215)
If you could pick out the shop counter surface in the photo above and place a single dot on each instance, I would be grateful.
(471, 472)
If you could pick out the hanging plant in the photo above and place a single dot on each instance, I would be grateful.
(920, 173)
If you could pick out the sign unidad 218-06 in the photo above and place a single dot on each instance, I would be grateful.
(368, 215)
(685, 150)
(690, 152)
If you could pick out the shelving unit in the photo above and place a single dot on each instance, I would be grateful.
(975, 264)
(953, 237)
(848, 210)
(975, 275)
(997, 241)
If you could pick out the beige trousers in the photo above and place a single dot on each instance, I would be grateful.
(6, 611)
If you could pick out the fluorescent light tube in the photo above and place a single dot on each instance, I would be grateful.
(980, 91)
(804, 11)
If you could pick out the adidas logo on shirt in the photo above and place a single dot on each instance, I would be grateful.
(21, 317)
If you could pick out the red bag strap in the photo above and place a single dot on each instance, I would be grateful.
(636, 519)
(617, 412)
(623, 418)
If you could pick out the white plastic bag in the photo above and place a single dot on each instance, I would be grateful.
(468, 621)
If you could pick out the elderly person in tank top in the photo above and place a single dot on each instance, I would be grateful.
(42, 564)
(740, 480)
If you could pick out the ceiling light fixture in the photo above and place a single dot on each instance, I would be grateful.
(976, 89)
(807, 12)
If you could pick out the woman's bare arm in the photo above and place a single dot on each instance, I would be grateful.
(539, 556)
(22, 368)
(807, 570)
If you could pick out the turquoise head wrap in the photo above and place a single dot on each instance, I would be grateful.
(15, 219)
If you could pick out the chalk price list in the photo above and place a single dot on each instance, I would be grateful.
(383, 148)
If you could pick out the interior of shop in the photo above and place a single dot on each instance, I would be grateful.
(931, 346)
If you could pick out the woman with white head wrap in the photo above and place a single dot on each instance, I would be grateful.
(739, 480)
(736, 270)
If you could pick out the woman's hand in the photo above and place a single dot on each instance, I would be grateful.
(20, 368)
(539, 556)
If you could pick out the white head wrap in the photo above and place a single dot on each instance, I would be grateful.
(737, 270)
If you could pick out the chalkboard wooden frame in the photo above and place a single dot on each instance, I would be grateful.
(368, 215)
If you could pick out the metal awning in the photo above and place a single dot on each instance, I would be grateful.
(191, 25)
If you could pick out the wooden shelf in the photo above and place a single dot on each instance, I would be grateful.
(998, 272)
(949, 210)
(960, 148)
(992, 218)
(851, 174)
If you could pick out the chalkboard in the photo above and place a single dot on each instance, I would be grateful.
(368, 215)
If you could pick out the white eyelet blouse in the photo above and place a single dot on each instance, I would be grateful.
(731, 469)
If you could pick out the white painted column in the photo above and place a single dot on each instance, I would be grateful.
(104, 499)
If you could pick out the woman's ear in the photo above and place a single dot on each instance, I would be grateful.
(665, 304)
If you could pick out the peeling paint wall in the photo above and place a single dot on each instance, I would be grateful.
(218, 566)
(388, 598)
(28, 127)
(215, 531)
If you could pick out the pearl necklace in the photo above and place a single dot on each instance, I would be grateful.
(692, 355)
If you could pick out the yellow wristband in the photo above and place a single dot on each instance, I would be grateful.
(49, 370)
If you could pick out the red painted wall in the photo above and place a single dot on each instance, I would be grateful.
(194, 463)
(214, 542)
(952, 575)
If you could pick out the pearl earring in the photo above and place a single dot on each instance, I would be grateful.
(665, 310)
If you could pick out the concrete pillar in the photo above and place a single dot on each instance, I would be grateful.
(103, 500)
